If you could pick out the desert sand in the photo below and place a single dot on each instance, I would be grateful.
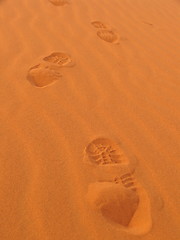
(89, 119)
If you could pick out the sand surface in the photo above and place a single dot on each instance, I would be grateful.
(89, 116)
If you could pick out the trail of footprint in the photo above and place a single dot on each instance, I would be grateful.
(106, 33)
(59, 2)
(120, 199)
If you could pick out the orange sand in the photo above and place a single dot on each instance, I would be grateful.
(103, 69)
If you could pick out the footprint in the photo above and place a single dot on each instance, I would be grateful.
(61, 59)
(148, 23)
(103, 151)
(108, 36)
(120, 206)
(98, 24)
(48, 71)
(106, 33)
(59, 2)
(116, 203)
(115, 193)
(43, 75)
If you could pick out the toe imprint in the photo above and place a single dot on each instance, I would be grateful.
(98, 24)
(108, 36)
(103, 151)
(61, 59)
(129, 181)
(42, 75)
(59, 2)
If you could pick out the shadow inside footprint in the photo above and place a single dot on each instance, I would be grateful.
(122, 206)
(115, 202)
